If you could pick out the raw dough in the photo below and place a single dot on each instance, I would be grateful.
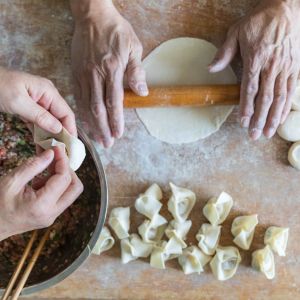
(296, 98)
(153, 230)
(74, 147)
(177, 229)
(277, 238)
(119, 221)
(208, 237)
(183, 61)
(263, 261)
(294, 155)
(105, 241)
(290, 129)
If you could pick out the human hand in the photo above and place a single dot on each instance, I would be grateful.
(104, 47)
(35, 100)
(269, 42)
(23, 208)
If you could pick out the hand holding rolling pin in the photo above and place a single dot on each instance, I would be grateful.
(104, 48)
(269, 41)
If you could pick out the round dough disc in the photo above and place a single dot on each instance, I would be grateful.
(294, 155)
(184, 61)
(290, 129)
(296, 98)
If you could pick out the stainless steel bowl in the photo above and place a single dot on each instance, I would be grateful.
(95, 234)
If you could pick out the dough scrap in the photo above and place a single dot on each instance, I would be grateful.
(294, 155)
(290, 129)
(208, 237)
(74, 147)
(181, 203)
(217, 209)
(119, 221)
(277, 238)
(183, 61)
(225, 262)
(263, 261)
(133, 247)
(104, 242)
(243, 230)
(193, 260)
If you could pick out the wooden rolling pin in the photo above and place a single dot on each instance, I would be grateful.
(202, 95)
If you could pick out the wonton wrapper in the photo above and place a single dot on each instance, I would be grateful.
(148, 204)
(193, 260)
(208, 237)
(225, 262)
(119, 221)
(74, 147)
(181, 203)
(277, 238)
(104, 242)
(133, 248)
(263, 261)
(216, 210)
(243, 230)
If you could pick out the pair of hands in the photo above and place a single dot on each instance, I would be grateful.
(105, 48)
(22, 207)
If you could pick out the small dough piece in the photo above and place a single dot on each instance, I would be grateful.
(225, 262)
(294, 155)
(183, 61)
(263, 261)
(148, 204)
(208, 237)
(216, 210)
(243, 230)
(153, 230)
(177, 229)
(277, 238)
(119, 221)
(181, 202)
(158, 256)
(74, 147)
(193, 260)
(105, 241)
(290, 129)
(133, 248)
(296, 98)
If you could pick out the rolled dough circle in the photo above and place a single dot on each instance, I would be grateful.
(294, 155)
(296, 98)
(184, 61)
(290, 129)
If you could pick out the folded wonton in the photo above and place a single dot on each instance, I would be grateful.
(105, 241)
(277, 238)
(208, 237)
(263, 261)
(119, 221)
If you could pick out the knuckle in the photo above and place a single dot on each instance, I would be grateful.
(97, 110)
(267, 100)
(280, 98)
(251, 89)
(40, 117)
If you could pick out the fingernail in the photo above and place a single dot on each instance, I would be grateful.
(143, 89)
(270, 132)
(47, 154)
(245, 121)
(255, 134)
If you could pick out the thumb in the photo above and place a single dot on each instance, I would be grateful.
(32, 167)
(226, 53)
(136, 75)
(38, 115)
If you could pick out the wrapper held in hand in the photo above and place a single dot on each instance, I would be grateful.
(74, 147)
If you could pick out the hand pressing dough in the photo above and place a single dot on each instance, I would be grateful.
(193, 260)
(181, 203)
(208, 237)
(263, 261)
(290, 129)
(105, 241)
(217, 209)
(74, 147)
(296, 98)
(119, 221)
(184, 61)
(243, 230)
(277, 238)
(225, 262)
(294, 155)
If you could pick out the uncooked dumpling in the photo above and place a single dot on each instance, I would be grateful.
(153, 230)
(208, 237)
(104, 242)
(178, 229)
(294, 155)
(296, 98)
(225, 262)
(119, 221)
(193, 260)
(181, 202)
(74, 147)
(184, 61)
(263, 261)
(277, 238)
(243, 230)
(290, 129)
(217, 209)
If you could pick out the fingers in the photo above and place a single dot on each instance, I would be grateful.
(275, 113)
(31, 168)
(114, 103)
(99, 112)
(226, 53)
(71, 193)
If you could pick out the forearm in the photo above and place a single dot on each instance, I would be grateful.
(84, 9)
